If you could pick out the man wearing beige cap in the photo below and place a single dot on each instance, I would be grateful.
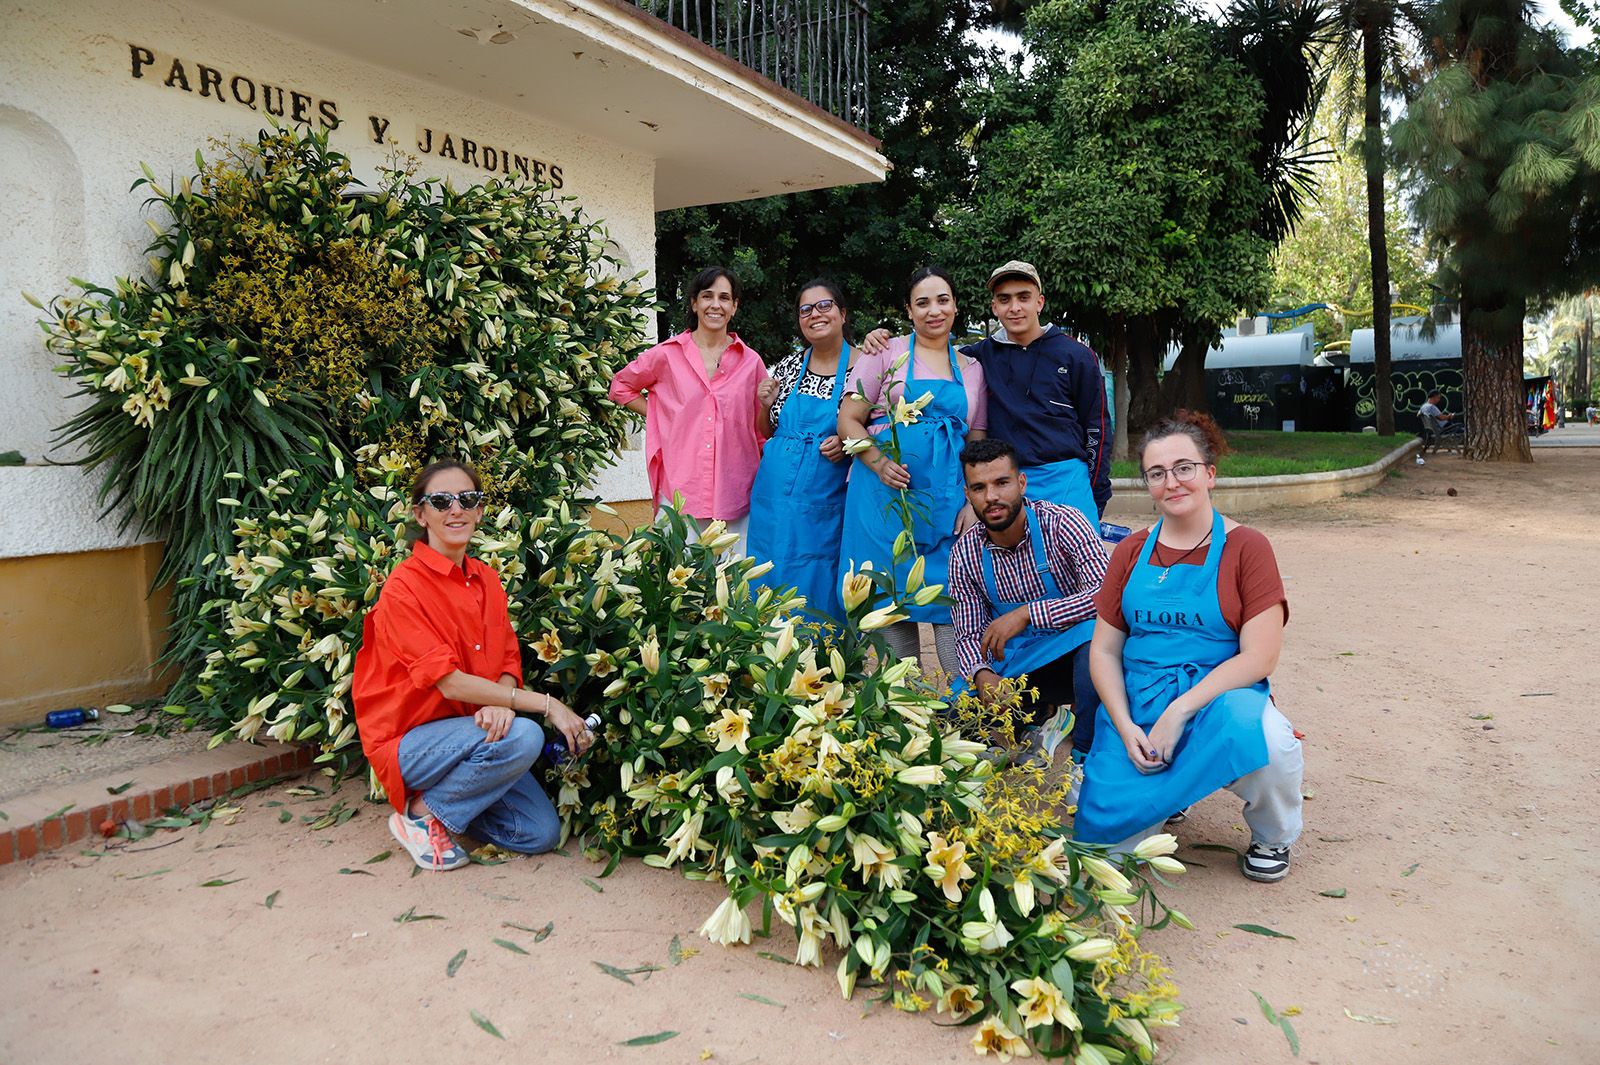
(1047, 395)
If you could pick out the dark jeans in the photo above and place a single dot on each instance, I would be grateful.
(1062, 682)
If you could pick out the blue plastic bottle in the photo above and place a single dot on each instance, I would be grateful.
(72, 718)
(1114, 534)
(555, 750)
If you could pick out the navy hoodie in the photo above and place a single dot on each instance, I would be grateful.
(1048, 400)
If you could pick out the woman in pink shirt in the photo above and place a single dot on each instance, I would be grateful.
(697, 392)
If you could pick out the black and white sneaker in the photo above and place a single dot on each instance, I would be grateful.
(1180, 817)
(1265, 863)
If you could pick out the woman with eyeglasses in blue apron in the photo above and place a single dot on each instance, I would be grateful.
(928, 472)
(797, 502)
(1191, 620)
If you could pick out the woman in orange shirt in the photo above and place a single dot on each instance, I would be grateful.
(438, 685)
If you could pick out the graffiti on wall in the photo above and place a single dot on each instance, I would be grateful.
(1411, 384)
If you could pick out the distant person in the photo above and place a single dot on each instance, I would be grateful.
(697, 392)
(438, 687)
(927, 475)
(1434, 420)
(1047, 395)
(797, 502)
(1024, 580)
(1191, 620)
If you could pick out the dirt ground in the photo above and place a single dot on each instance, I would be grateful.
(1440, 659)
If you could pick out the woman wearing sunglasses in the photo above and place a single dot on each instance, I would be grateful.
(438, 687)
(697, 392)
(927, 475)
(1190, 627)
(797, 502)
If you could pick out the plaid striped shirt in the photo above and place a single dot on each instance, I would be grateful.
(1077, 562)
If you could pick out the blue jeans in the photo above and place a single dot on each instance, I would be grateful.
(485, 790)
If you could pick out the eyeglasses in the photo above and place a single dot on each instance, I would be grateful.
(1183, 472)
(819, 307)
(469, 500)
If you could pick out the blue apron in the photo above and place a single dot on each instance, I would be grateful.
(1176, 635)
(797, 501)
(1064, 482)
(1033, 647)
(931, 450)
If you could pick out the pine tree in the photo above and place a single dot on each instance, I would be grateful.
(1504, 139)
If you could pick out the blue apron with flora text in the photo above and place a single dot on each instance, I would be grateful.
(930, 449)
(1064, 482)
(1033, 647)
(797, 501)
(1176, 635)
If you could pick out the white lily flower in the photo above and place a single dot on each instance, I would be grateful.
(728, 924)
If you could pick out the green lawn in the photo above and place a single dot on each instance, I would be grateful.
(1262, 453)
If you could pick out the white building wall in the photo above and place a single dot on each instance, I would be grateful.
(74, 127)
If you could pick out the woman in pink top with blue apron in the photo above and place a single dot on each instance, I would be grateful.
(929, 468)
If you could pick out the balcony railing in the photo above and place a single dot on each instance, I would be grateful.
(814, 48)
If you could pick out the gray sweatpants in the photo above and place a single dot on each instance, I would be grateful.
(1272, 794)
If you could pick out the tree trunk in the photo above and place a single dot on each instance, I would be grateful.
(1117, 351)
(1185, 384)
(1144, 399)
(1580, 395)
(1377, 231)
(1491, 363)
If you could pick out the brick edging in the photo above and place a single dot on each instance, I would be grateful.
(21, 842)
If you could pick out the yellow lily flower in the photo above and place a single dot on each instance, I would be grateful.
(731, 730)
(960, 1001)
(947, 865)
(1043, 1003)
(995, 1038)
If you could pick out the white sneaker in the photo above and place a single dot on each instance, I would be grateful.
(428, 841)
(1421, 461)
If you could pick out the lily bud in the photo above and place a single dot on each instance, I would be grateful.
(832, 823)
(1154, 846)
(882, 617)
(928, 594)
(1092, 949)
(902, 546)
(1170, 866)
(650, 655)
(914, 578)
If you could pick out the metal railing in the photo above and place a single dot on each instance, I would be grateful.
(814, 48)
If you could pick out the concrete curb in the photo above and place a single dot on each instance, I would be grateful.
(1240, 495)
(54, 817)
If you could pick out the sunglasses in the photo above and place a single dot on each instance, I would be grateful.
(819, 307)
(469, 500)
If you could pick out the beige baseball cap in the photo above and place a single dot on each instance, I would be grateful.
(1015, 268)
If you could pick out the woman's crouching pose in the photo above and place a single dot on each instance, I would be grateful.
(438, 686)
(1191, 620)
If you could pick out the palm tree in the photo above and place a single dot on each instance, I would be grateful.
(1368, 57)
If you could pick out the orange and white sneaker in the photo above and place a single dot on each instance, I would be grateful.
(428, 841)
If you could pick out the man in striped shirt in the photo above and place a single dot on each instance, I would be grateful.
(1024, 580)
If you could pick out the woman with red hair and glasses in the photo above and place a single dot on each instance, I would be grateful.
(438, 687)
(1191, 619)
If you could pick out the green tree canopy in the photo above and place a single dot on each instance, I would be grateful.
(1504, 139)
(1121, 162)
(1327, 257)
(867, 237)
